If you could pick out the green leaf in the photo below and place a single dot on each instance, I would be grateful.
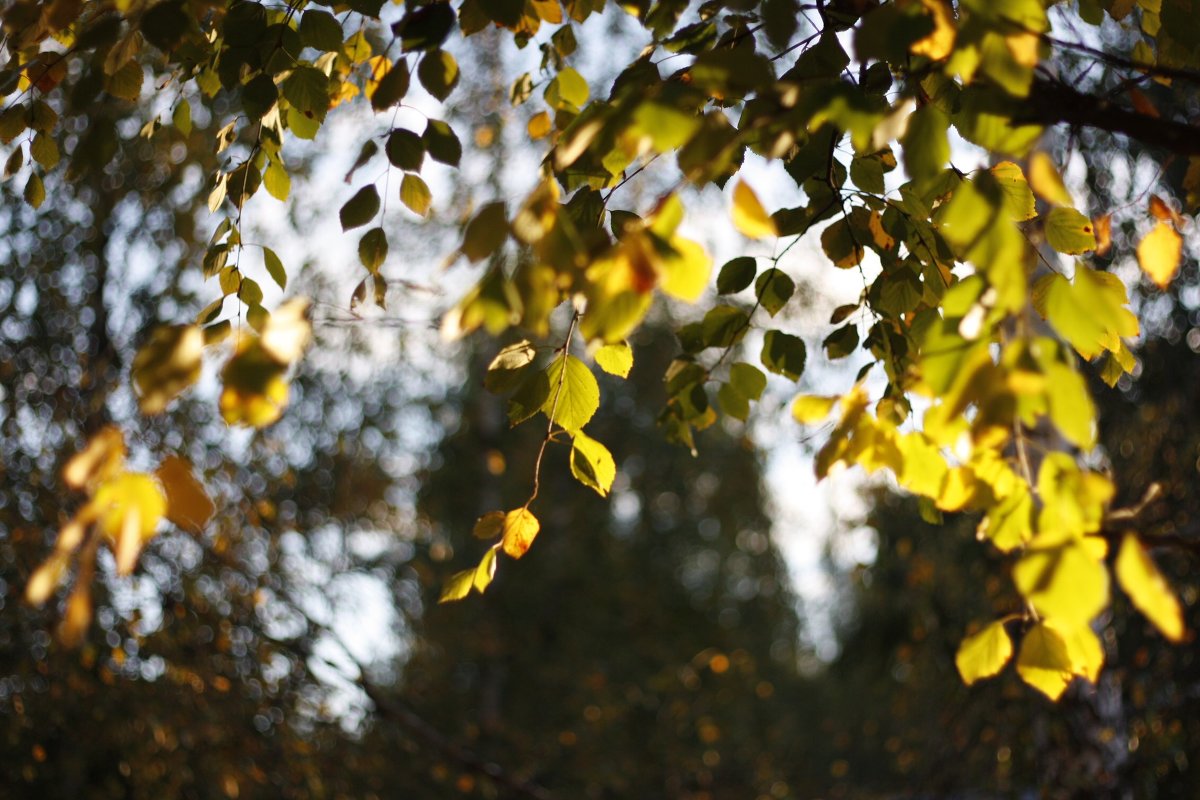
(984, 654)
(307, 89)
(533, 392)
(574, 394)
(724, 326)
(321, 31)
(783, 354)
(485, 232)
(277, 181)
(842, 342)
(926, 144)
(736, 275)
(274, 267)
(405, 150)
(748, 380)
(361, 208)
(1018, 197)
(615, 359)
(842, 244)
(441, 143)
(1068, 231)
(733, 402)
(509, 367)
(373, 249)
(425, 27)
(391, 87)
(774, 288)
(592, 464)
(438, 73)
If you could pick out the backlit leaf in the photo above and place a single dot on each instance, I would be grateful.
(1148, 589)
(1068, 231)
(1158, 254)
(520, 529)
(1044, 662)
(574, 394)
(1046, 182)
(984, 654)
(615, 359)
(749, 216)
(415, 194)
(188, 504)
(166, 364)
(592, 464)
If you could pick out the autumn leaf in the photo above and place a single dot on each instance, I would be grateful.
(1158, 254)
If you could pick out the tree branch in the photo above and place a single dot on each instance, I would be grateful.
(1051, 103)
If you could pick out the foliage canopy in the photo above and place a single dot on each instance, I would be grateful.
(987, 305)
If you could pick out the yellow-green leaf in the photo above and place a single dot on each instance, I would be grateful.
(574, 394)
(458, 586)
(415, 194)
(520, 529)
(489, 526)
(1159, 253)
(592, 464)
(749, 216)
(1068, 231)
(1148, 589)
(984, 654)
(615, 359)
(1018, 199)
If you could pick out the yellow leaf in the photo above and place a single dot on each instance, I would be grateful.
(1083, 649)
(1046, 182)
(485, 571)
(749, 216)
(685, 272)
(1044, 662)
(809, 409)
(940, 43)
(958, 489)
(1024, 48)
(126, 495)
(287, 331)
(98, 461)
(520, 528)
(188, 505)
(166, 364)
(615, 359)
(1063, 582)
(47, 578)
(1148, 589)
(983, 654)
(458, 586)
(539, 125)
(1158, 254)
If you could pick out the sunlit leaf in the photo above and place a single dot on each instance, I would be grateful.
(1068, 231)
(1045, 180)
(1148, 589)
(1043, 661)
(1159, 253)
(984, 654)
(615, 359)
(574, 394)
(520, 528)
(749, 216)
(592, 464)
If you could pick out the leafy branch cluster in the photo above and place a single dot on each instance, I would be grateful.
(973, 307)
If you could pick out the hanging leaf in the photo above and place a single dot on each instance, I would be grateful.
(1068, 231)
(749, 216)
(167, 364)
(1159, 253)
(592, 464)
(1148, 589)
(361, 208)
(574, 394)
(520, 529)
(615, 359)
(984, 654)
(188, 504)
(1044, 662)
(415, 195)
(736, 275)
